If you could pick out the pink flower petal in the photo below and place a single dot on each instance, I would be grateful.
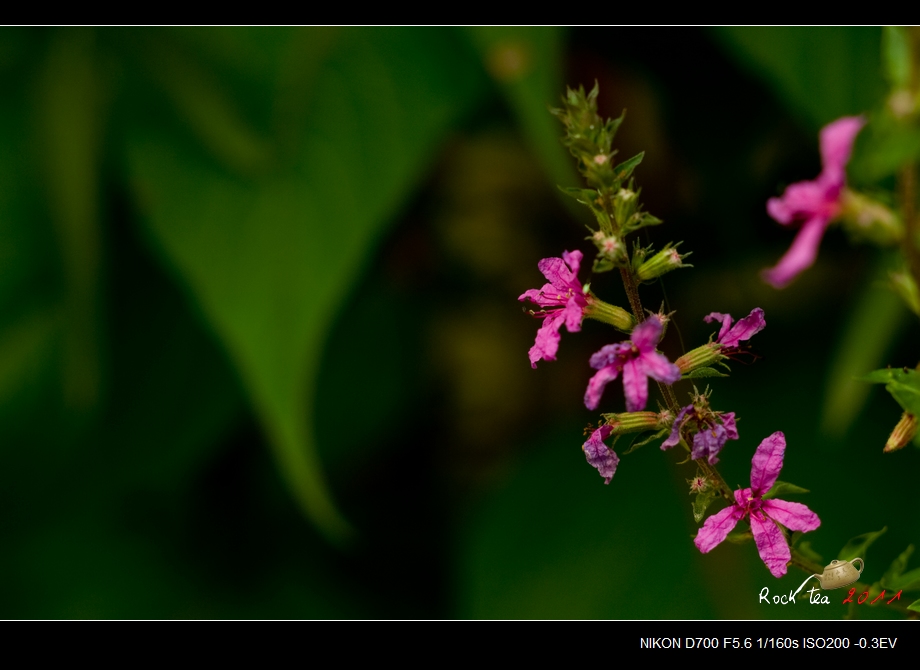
(596, 386)
(767, 462)
(574, 312)
(771, 544)
(837, 143)
(573, 259)
(744, 330)
(801, 254)
(547, 342)
(635, 386)
(794, 516)
(717, 528)
(801, 200)
(646, 335)
(658, 367)
(725, 319)
(731, 428)
(599, 455)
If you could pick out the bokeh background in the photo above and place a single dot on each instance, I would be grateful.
(261, 354)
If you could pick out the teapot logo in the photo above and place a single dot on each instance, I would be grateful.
(839, 574)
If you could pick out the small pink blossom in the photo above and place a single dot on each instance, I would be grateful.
(599, 455)
(762, 514)
(637, 360)
(561, 301)
(730, 337)
(815, 202)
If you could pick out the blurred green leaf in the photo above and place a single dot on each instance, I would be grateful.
(914, 606)
(820, 73)
(526, 63)
(783, 488)
(270, 260)
(856, 547)
(68, 111)
(902, 383)
(896, 579)
(897, 56)
(873, 324)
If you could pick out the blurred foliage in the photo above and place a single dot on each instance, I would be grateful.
(260, 351)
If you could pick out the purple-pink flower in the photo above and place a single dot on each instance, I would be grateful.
(730, 337)
(763, 514)
(599, 455)
(561, 301)
(711, 430)
(637, 360)
(815, 202)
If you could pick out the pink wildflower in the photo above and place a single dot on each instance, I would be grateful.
(813, 202)
(562, 301)
(601, 456)
(763, 514)
(731, 337)
(637, 360)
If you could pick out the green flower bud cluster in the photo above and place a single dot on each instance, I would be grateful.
(646, 268)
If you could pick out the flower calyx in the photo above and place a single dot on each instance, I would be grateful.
(652, 267)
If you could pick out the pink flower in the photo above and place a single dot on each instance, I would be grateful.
(601, 456)
(562, 301)
(763, 514)
(637, 360)
(814, 203)
(731, 337)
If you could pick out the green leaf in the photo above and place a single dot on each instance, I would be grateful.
(902, 383)
(704, 372)
(270, 259)
(873, 324)
(625, 169)
(856, 547)
(783, 488)
(820, 73)
(896, 579)
(914, 606)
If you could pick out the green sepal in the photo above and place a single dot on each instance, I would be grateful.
(783, 488)
(704, 372)
(625, 169)
(857, 546)
(896, 579)
(902, 383)
(740, 537)
(654, 436)
(703, 500)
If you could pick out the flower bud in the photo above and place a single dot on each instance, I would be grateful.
(625, 203)
(633, 422)
(602, 311)
(701, 357)
(664, 261)
(869, 219)
(903, 432)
